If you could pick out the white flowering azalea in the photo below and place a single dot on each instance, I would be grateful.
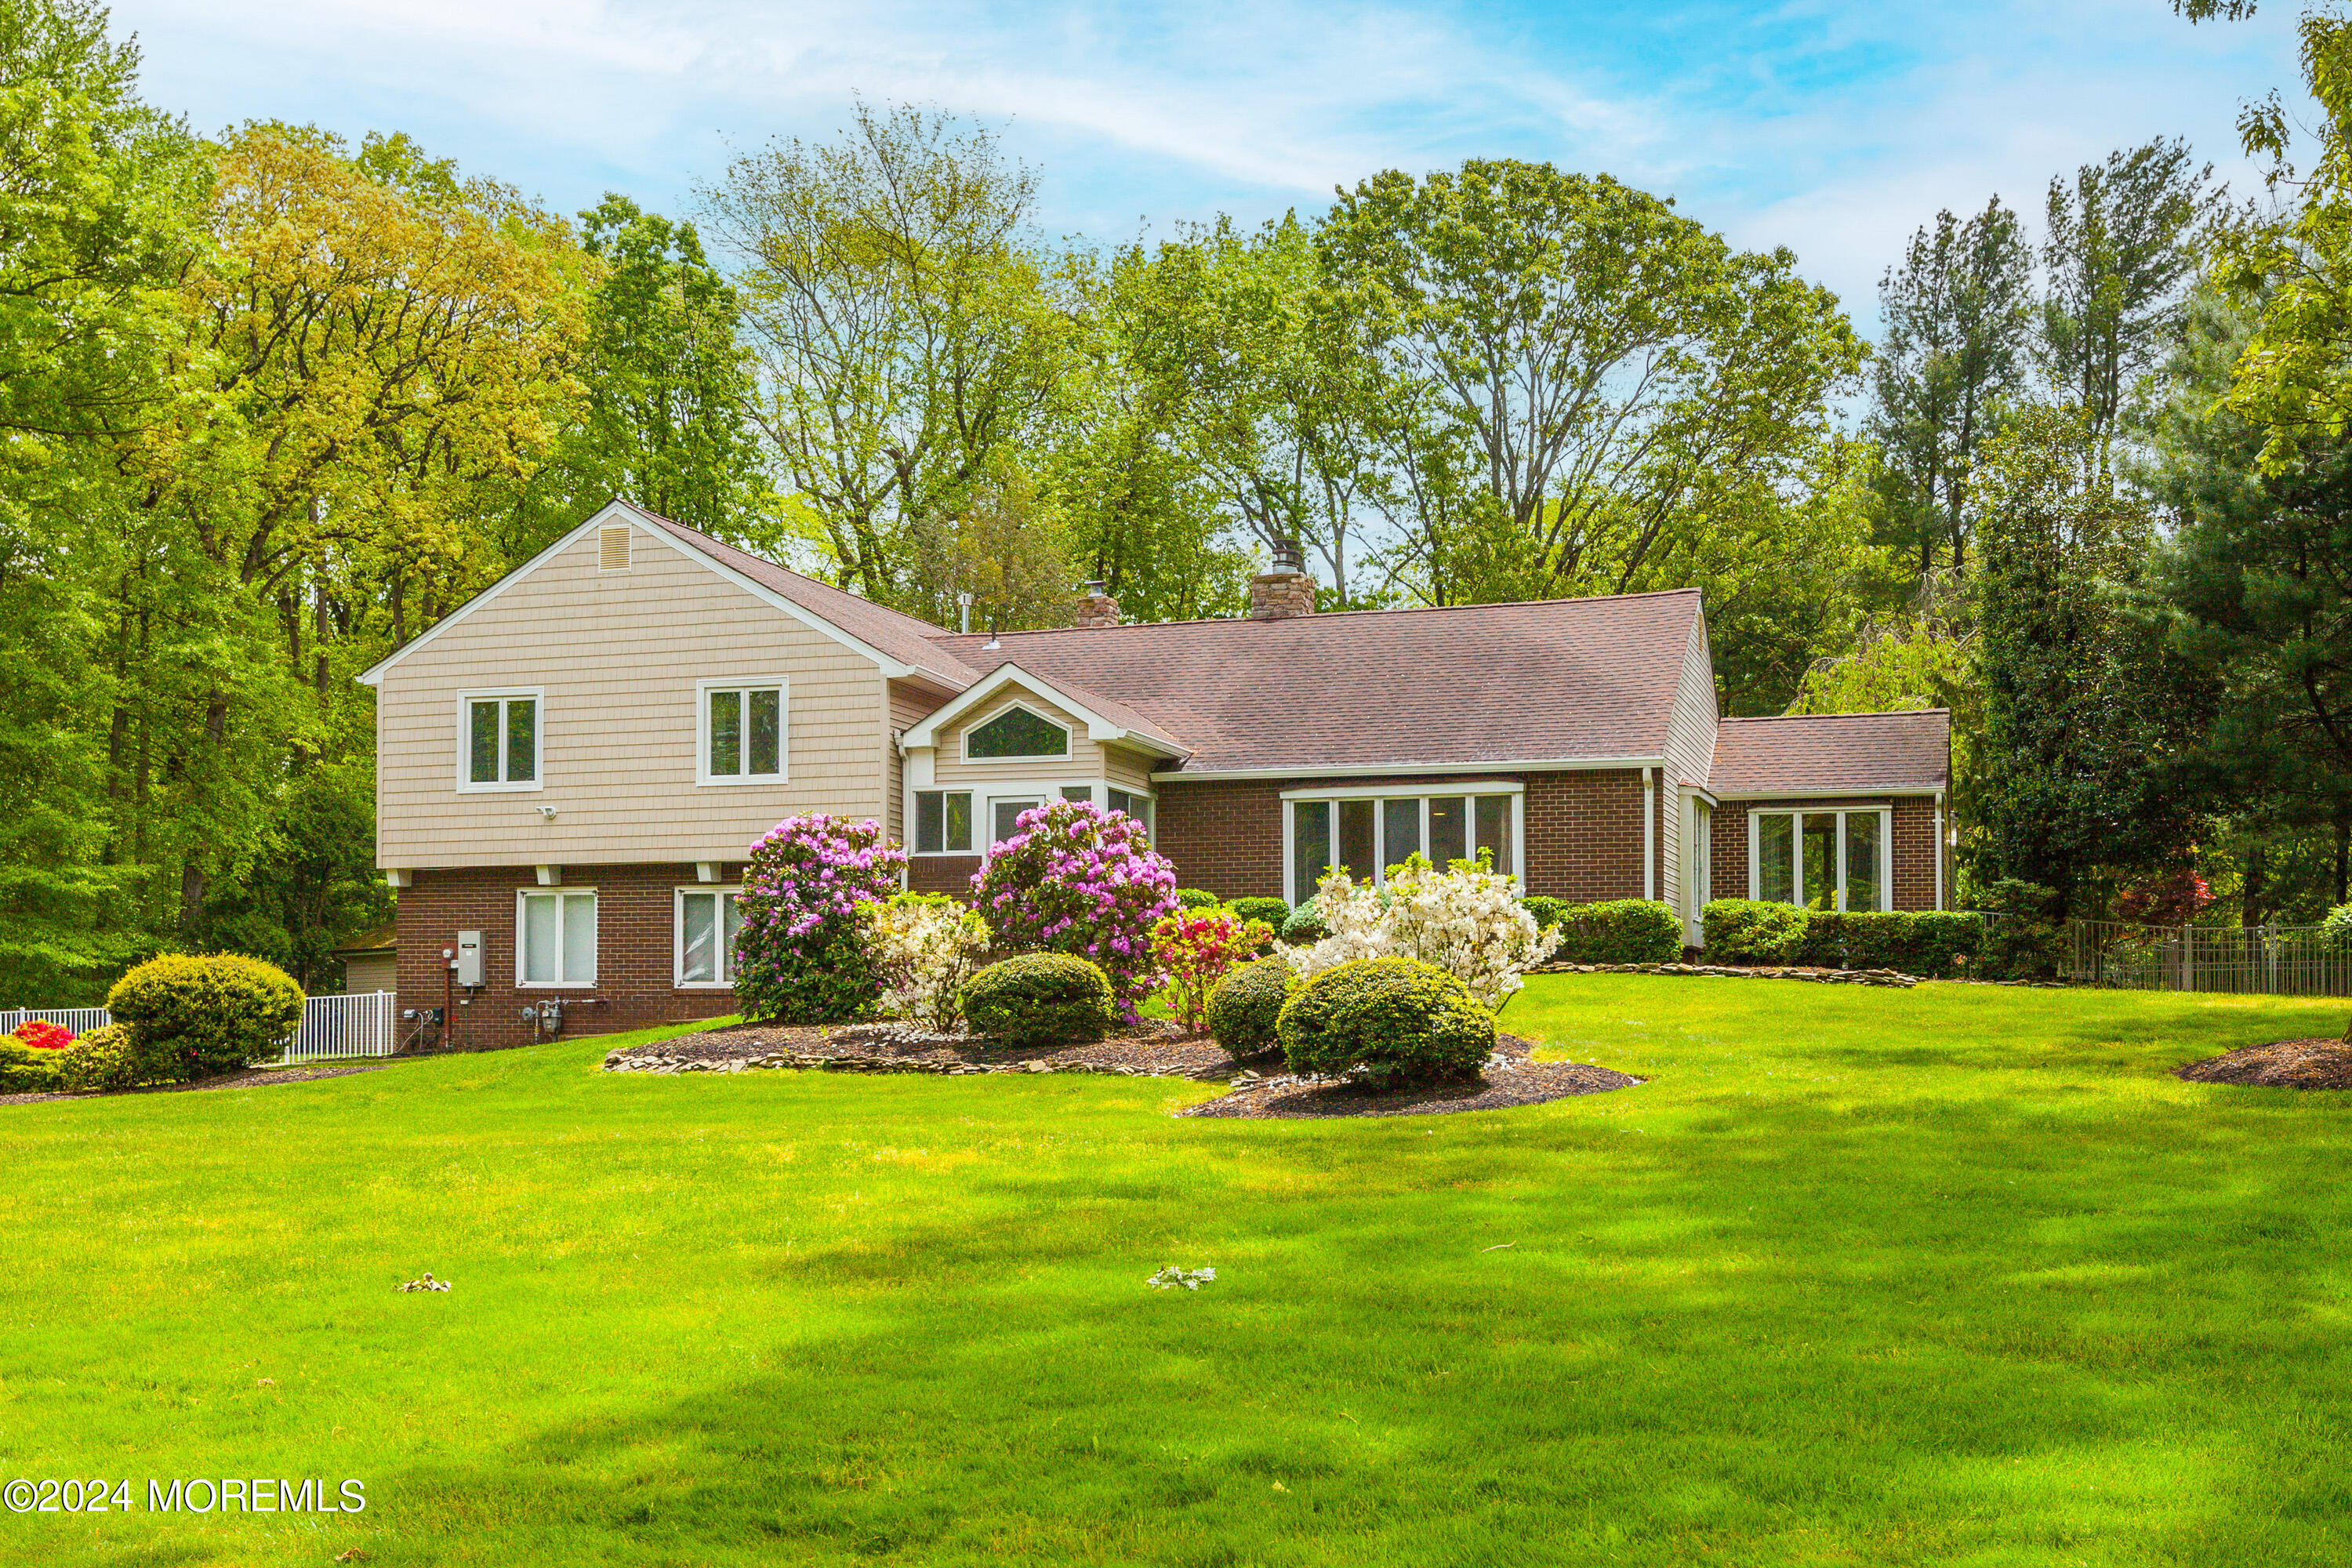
(926, 951)
(1466, 920)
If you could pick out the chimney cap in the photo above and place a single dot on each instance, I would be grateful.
(1094, 587)
(1288, 556)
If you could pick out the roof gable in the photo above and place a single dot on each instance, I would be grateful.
(1106, 718)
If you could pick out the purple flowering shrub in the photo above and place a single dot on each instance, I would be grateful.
(800, 957)
(1079, 880)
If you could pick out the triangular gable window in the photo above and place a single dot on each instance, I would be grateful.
(1016, 733)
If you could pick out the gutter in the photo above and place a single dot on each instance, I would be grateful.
(1409, 770)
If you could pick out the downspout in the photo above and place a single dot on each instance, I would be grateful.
(1649, 833)
(906, 799)
(1939, 849)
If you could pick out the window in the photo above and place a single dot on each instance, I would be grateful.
(555, 937)
(708, 919)
(1017, 732)
(499, 746)
(1079, 792)
(1138, 806)
(1819, 859)
(1368, 832)
(942, 822)
(1007, 815)
(744, 738)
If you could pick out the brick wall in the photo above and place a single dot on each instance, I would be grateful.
(1584, 831)
(1914, 858)
(941, 873)
(636, 951)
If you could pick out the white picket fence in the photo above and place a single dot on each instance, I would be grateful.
(332, 1027)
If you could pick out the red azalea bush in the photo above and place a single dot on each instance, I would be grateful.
(1197, 948)
(1079, 880)
(44, 1035)
(800, 957)
(2169, 900)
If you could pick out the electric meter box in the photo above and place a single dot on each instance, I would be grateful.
(469, 958)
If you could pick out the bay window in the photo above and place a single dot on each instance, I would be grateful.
(1835, 859)
(1368, 831)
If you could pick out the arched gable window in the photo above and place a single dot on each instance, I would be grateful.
(1018, 731)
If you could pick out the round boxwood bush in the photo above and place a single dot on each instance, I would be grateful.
(1039, 999)
(26, 1069)
(1396, 1020)
(1243, 1006)
(195, 1015)
(1196, 898)
(1273, 911)
(103, 1057)
(1306, 926)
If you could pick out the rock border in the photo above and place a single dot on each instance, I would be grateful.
(1894, 977)
(638, 1058)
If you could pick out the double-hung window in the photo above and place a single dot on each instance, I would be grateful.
(1820, 859)
(1138, 806)
(1368, 831)
(744, 726)
(706, 921)
(499, 734)
(555, 937)
(943, 822)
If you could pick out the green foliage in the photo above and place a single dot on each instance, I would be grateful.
(1244, 1008)
(1306, 926)
(1196, 899)
(1931, 942)
(1393, 1021)
(1547, 911)
(1750, 930)
(1620, 931)
(105, 1058)
(24, 1071)
(1039, 999)
(1273, 911)
(197, 1016)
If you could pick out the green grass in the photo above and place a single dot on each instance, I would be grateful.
(1947, 1276)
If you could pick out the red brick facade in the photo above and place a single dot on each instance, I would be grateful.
(636, 952)
(1914, 846)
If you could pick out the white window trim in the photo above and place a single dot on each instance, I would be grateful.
(1292, 894)
(466, 701)
(677, 936)
(1886, 814)
(702, 691)
(1064, 756)
(985, 793)
(595, 956)
(910, 810)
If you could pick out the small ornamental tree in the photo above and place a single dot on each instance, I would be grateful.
(1079, 880)
(800, 957)
(1195, 948)
(1466, 919)
(925, 946)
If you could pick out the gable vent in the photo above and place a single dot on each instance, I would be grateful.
(613, 547)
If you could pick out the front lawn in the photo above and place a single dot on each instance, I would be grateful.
(1947, 1276)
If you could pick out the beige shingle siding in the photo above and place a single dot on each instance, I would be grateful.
(950, 770)
(1690, 752)
(618, 655)
(908, 703)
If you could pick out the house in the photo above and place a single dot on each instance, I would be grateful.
(371, 963)
(572, 765)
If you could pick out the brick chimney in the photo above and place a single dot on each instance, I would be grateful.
(1096, 609)
(1283, 589)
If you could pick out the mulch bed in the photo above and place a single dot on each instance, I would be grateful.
(2317, 1063)
(1156, 1049)
(1512, 1077)
(251, 1080)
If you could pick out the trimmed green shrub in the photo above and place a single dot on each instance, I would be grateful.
(1306, 926)
(1622, 931)
(2022, 950)
(28, 1069)
(1396, 1020)
(1039, 999)
(103, 1057)
(1547, 911)
(1245, 1004)
(195, 1015)
(1273, 911)
(1196, 898)
(1750, 930)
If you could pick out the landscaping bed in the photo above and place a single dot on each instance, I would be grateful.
(2317, 1062)
(1511, 1076)
(1155, 1049)
(250, 1078)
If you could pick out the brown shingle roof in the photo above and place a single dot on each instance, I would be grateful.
(1553, 680)
(1834, 753)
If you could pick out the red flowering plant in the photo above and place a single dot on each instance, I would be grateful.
(44, 1035)
(1078, 879)
(1197, 948)
(801, 957)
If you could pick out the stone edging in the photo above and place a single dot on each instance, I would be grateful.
(1894, 977)
(627, 1060)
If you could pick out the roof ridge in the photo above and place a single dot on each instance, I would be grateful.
(1336, 614)
(1865, 713)
(915, 624)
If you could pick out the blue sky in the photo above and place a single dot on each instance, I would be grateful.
(1834, 129)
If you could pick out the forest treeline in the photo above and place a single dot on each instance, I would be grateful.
(271, 404)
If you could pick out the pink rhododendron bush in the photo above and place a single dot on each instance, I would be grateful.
(1197, 948)
(926, 945)
(800, 957)
(1466, 919)
(1079, 880)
